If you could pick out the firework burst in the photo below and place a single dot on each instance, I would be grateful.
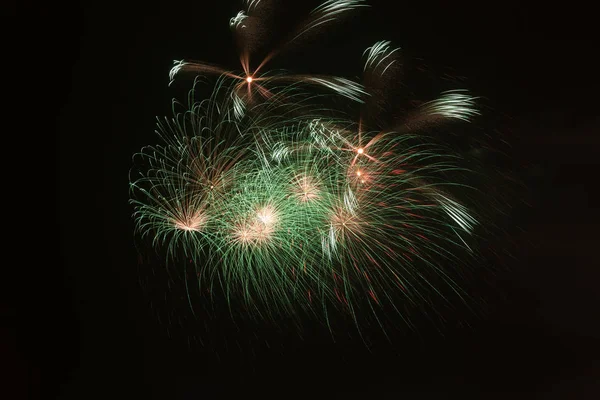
(289, 206)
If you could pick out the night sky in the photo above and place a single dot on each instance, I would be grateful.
(535, 67)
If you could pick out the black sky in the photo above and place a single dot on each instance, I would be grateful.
(534, 63)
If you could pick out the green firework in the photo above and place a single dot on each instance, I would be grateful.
(289, 205)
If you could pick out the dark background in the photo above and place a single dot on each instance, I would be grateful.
(89, 333)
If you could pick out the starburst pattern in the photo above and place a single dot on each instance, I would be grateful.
(289, 205)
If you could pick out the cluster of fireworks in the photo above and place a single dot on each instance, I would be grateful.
(286, 204)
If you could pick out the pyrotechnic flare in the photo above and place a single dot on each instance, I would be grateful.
(249, 31)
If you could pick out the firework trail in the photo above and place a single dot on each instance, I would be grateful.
(249, 31)
(289, 206)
